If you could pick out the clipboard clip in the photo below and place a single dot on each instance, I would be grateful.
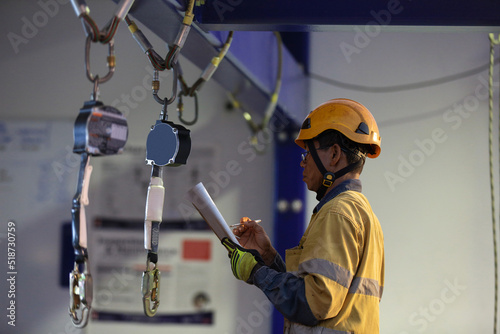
(151, 289)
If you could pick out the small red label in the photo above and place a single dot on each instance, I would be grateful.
(196, 250)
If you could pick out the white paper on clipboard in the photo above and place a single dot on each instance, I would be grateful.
(201, 200)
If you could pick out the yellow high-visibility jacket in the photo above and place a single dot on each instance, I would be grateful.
(341, 259)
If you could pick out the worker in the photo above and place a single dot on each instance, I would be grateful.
(333, 279)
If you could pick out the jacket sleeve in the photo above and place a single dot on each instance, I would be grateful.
(278, 264)
(286, 291)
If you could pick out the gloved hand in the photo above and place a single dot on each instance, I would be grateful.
(244, 262)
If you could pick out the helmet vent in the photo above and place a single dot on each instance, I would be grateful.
(363, 128)
(306, 124)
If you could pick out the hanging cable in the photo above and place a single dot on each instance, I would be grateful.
(171, 58)
(90, 27)
(204, 77)
(236, 104)
(181, 35)
(399, 88)
(277, 86)
(210, 69)
(493, 42)
(154, 58)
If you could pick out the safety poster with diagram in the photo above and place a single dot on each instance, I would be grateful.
(186, 258)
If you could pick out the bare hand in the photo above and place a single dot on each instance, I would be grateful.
(253, 236)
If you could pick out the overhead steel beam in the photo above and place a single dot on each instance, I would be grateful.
(321, 15)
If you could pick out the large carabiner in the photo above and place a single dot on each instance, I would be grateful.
(156, 87)
(151, 290)
(110, 61)
(80, 290)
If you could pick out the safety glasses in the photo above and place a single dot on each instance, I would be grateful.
(306, 153)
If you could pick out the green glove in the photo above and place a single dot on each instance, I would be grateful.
(244, 262)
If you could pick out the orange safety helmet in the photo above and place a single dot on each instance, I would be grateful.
(349, 117)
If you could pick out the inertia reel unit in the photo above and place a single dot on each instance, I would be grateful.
(168, 144)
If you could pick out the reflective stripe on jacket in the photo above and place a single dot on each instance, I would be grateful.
(294, 328)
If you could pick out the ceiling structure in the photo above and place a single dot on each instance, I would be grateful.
(320, 15)
(249, 69)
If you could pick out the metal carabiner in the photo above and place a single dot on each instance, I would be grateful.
(180, 108)
(151, 290)
(80, 291)
(110, 60)
(156, 87)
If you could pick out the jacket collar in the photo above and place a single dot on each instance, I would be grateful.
(351, 184)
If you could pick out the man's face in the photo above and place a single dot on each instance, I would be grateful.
(311, 174)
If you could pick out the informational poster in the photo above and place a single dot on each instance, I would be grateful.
(124, 182)
(185, 260)
(37, 165)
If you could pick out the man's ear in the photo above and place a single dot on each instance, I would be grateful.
(335, 152)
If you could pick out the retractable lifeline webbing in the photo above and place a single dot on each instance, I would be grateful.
(80, 278)
(98, 130)
(153, 217)
(168, 144)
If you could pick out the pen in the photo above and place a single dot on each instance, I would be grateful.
(257, 221)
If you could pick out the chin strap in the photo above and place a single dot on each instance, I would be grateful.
(328, 177)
